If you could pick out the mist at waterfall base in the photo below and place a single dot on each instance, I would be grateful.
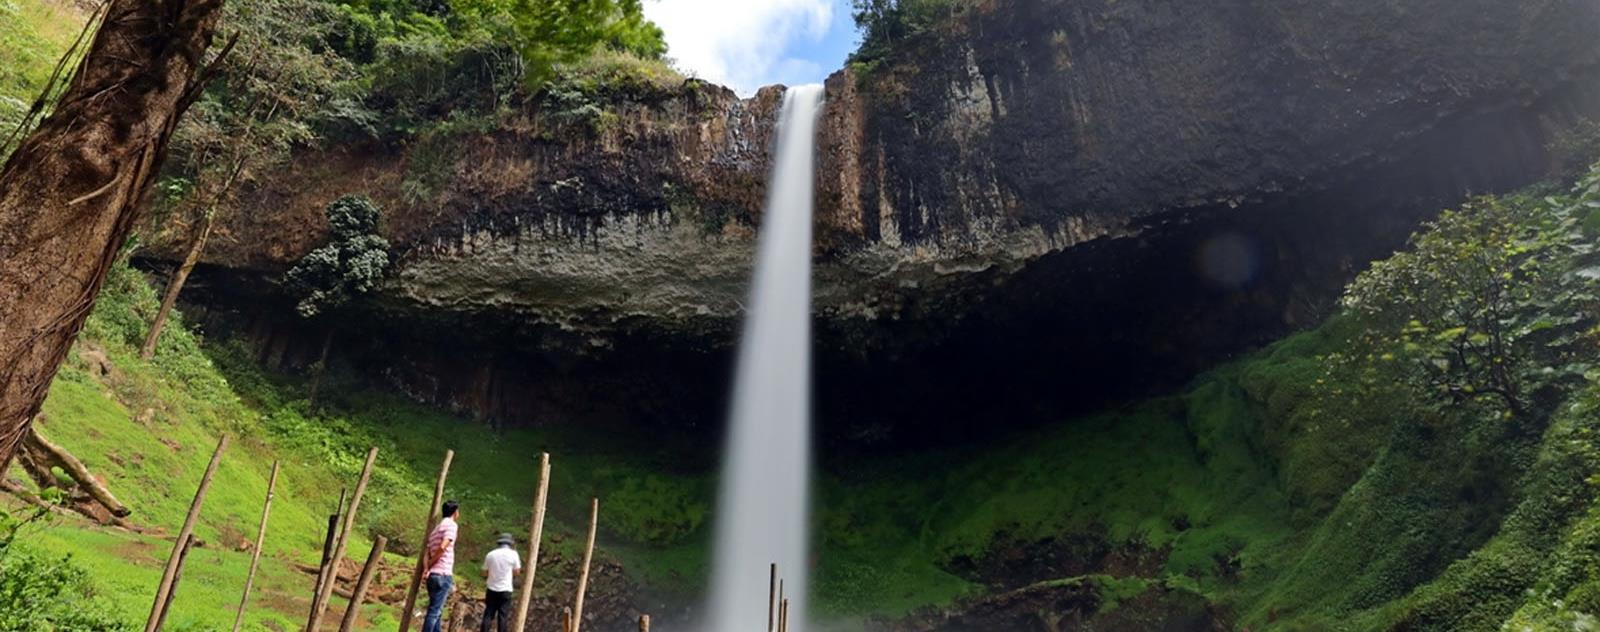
(763, 514)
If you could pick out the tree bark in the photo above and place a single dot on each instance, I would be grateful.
(70, 193)
(197, 245)
(79, 473)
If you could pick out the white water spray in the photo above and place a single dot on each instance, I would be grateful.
(764, 511)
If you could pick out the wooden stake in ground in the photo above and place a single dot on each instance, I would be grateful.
(772, 597)
(644, 623)
(588, 556)
(783, 619)
(320, 606)
(255, 556)
(166, 606)
(360, 591)
(457, 613)
(327, 551)
(175, 561)
(535, 534)
(407, 611)
(566, 619)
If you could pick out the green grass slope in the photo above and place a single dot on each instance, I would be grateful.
(33, 36)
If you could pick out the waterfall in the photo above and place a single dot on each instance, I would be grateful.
(763, 514)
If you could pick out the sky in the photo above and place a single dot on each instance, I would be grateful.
(747, 44)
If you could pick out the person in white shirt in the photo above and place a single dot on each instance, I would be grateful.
(499, 566)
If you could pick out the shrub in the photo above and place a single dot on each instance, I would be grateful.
(44, 593)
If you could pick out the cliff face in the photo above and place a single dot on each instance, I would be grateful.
(1037, 185)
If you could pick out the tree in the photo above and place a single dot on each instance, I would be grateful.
(551, 32)
(352, 264)
(883, 23)
(1493, 302)
(70, 193)
(268, 100)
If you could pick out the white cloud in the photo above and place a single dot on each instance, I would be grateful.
(740, 43)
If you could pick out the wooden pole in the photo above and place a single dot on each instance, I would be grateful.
(566, 619)
(175, 561)
(535, 534)
(783, 619)
(408, 611)
(320, 607)
(255, 556)
(644, 623)
(166, 607)
(588, 556)
(360, 591)
(772, 597)
(457, 613)
(327, 547)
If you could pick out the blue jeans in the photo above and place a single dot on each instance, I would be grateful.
(439, 587)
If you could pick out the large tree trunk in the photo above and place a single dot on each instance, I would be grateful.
(197, 245)
(70, 193)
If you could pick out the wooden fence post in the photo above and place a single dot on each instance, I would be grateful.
(535, 534)
(327, 547)
(644, 623)
(772, 598)
(161, 621)
(360, 591)
(566, 619)
(320, 606)
(408, 610)
(255, 556)
(588, 556)
(175, 561)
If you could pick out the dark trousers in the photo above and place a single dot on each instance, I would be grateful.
(438, 591)
(496, 607)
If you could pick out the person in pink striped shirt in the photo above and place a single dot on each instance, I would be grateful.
(441, 548)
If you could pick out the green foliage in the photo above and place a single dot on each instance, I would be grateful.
(419, 81)
(351, 265)
(34, 34)
(885, 23)
(39, 592)
(1491, 302)
(552, 32)
(277, 90)
(1323, 421)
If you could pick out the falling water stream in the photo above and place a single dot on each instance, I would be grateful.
(763, 513)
